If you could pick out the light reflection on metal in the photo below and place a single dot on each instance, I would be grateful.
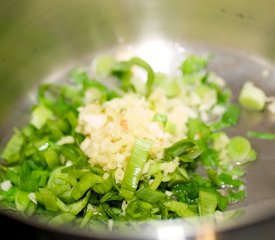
(157, 52)
(206, 232)
(161, 54)
(171, 232)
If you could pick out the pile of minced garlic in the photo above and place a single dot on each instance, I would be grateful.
(110, 128)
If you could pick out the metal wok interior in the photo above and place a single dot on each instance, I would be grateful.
(41, 40)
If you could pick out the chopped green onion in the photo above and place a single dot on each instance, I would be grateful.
(237, 171)
(51, 158)
(238, 149)
(84, 184)
(236, 196)
(252, 97)
(162, 118)
(88, 215)
(11, 152)
(154, 168)
(207, 203)
(198, 131)
(23, 203)
(157, 181)
(170, 127)
(103, 64)
(179, 176)
(170, 85)
(111, 196)
(62, 219)
(75, 207)
(134, 168)
(48, 199)
(109, 211)
(180, 208)
(261, 135)
(122, 70)
(150, 73)
(230, 118)
(149, 195)
(228, 180)
(222, 202)
(139, 210)
(104, 186)
(185, 148)
(40, 115)
(74, 154)
(13, 176)
(194, 64)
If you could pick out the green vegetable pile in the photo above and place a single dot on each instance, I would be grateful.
(37, 181)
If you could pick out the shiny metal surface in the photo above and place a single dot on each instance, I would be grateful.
(41, 40)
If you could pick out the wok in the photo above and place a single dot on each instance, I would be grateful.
(42, 40)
